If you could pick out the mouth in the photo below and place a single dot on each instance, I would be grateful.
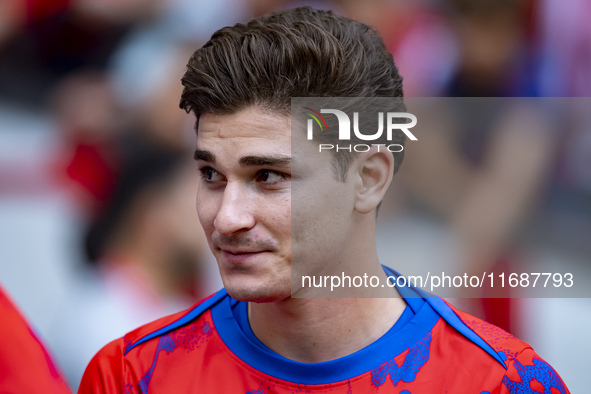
(241, 252)
(241, 257)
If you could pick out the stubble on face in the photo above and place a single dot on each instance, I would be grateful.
(245, 216)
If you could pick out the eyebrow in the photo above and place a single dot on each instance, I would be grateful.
(247, 161)
(257, 161)
(204, 155)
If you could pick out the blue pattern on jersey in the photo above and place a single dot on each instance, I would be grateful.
(416, 357)
(259, 391)
(164, 343)
(187, 338)
(186, 319)
(541, 372)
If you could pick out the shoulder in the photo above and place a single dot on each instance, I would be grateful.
(525, 370)
(529, 373)
(23, 355)
(106, 371)
(170, 323)
(503, 343)
(486, 352)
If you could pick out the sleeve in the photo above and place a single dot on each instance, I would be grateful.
(104, 373)
(529, 373)
(25, 364)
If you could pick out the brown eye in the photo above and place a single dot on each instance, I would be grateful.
(270, 177)
(209, 174)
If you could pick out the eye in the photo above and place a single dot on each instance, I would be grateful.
(271, 177)
(210, 175)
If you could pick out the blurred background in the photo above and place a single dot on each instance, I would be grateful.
(98, 229)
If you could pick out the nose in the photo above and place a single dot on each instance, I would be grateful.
(235, 212)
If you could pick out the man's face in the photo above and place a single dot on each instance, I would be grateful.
(244, 202)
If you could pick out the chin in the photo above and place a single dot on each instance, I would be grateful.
(258, 294)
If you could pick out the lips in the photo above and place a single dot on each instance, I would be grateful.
(241, 252)
(241, 258)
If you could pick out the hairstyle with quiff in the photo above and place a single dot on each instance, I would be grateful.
(300, 52)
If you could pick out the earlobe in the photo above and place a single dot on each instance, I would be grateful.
(375, 171)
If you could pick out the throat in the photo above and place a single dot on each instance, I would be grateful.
(317, 330)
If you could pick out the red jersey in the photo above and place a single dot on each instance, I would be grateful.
(433, 348)
(25, 365)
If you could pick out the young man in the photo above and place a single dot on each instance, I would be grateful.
(266, 201)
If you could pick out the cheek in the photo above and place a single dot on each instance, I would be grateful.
(273, 214)
(283, 211)
(286, 215)
(321, 219)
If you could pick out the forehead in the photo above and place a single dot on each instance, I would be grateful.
(250, 127)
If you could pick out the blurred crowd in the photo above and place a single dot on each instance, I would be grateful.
(98, 229)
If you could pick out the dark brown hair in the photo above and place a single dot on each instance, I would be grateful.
(300, 52)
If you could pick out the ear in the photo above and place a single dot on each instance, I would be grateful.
(375, 169)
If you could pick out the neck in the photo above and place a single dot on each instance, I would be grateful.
(314, 330)
(323, 329)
